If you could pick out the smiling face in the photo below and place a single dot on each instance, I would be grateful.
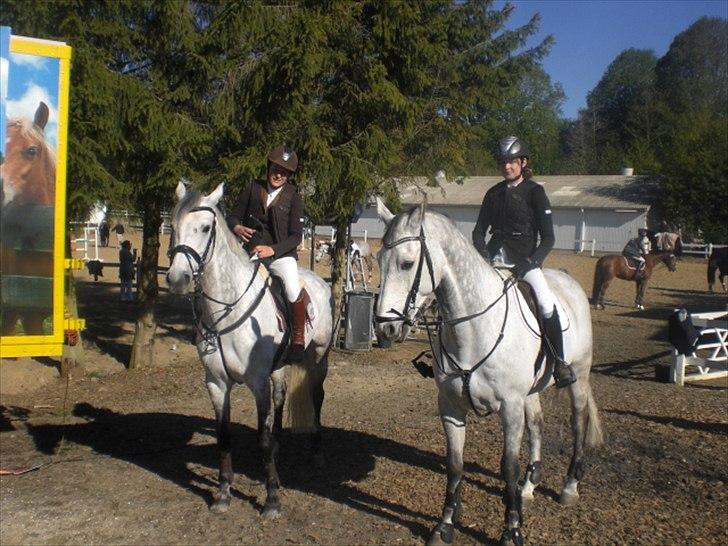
(277, 175)
(512, 169)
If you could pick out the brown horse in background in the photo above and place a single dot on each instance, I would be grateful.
(617, 266)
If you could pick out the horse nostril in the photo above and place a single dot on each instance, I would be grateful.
(187, 278)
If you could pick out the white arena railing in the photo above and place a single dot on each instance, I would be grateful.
(711, 358)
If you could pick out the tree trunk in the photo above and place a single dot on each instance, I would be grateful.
(338, 275)
(142, 351)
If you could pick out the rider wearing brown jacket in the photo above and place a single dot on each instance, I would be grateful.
(268, 218)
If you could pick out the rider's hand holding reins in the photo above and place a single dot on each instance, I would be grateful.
(245, 233)
(264, 251)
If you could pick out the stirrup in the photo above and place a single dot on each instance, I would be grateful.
(563, 374)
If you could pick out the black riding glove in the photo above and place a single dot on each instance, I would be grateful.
(523, 267)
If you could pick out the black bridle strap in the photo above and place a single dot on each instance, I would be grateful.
(190, 253)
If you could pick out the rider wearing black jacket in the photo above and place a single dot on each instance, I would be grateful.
(518, 213)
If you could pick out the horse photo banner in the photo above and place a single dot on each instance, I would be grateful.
(34, 96)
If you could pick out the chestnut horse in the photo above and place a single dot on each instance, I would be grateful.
(616, 265)
(28, 176)
(29, 169)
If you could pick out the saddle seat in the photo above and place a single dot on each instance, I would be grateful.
(283, 306)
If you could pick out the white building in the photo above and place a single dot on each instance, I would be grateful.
(605, 209)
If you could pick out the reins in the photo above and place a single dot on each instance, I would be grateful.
(404, 317)
(209, 333)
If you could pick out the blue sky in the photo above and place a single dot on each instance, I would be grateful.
(33, 79)
(591, 33)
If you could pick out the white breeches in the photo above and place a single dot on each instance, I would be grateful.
(286, 269)
(544, 295)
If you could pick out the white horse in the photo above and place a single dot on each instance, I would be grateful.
(361, 259)
(242, 339)
(485, 351)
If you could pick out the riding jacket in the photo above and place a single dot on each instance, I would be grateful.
(278, 225)
(520, 222)
(637, 248)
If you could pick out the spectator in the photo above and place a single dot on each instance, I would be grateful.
(104, 233)
(119, 230)
(127, 271)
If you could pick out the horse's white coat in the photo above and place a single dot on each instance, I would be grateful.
(250, 349)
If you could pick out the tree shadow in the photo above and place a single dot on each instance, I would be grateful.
(679, 422)
(162, 443)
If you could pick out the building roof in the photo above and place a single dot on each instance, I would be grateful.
(567, 191)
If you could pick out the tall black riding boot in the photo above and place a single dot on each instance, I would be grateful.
(563, 374)
(298, 338)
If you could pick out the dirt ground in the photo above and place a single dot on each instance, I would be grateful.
(129, 457)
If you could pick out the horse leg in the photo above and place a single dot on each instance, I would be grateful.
(278, 379)
(579, 398)
(317, 386)
(453, 421)
(534, 424)
(219, 391)
(602, 291)
(512, 419)
(269, 446)
(640, 288)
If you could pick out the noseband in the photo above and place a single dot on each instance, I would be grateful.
(409, 303)
(192, 255)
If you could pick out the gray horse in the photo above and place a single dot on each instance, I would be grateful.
(240, 338)
(485, 350)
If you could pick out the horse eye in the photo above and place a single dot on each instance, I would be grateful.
(31, 152)
(406, 266)
(206, 229)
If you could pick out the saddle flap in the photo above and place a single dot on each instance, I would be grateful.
(543, 355)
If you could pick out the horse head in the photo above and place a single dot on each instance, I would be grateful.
(29, 169)
(405, 269)
(670, 261)
(194, 232)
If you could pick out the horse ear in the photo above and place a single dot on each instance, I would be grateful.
(216, 194)
(180, 191)
(417, 216)
(384, 214)
(41, 116)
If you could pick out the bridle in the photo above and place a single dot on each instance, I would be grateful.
(403, 316)
(191, 254)
(210, 333)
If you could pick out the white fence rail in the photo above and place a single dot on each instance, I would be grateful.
(700, 249)
(579, 245)
(711, 357)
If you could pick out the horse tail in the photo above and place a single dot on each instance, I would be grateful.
(301, 413)
(594, 433)
(678, 250)
(598, 280)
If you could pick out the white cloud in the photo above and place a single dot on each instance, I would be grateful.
(33, 61)
(4, 77)
(26, 106)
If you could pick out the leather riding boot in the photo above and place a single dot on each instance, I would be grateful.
(298, 337)
(563, 374)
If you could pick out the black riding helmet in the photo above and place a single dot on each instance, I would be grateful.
(511, 147)
(283, 157)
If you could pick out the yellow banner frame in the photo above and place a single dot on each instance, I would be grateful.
(49, 345)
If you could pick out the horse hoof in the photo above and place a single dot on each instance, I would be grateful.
(441, 535)
(511, 537)
(271, 512)
(568, 498)
(220, 506)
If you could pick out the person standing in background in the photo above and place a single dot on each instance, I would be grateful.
(127, 271)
